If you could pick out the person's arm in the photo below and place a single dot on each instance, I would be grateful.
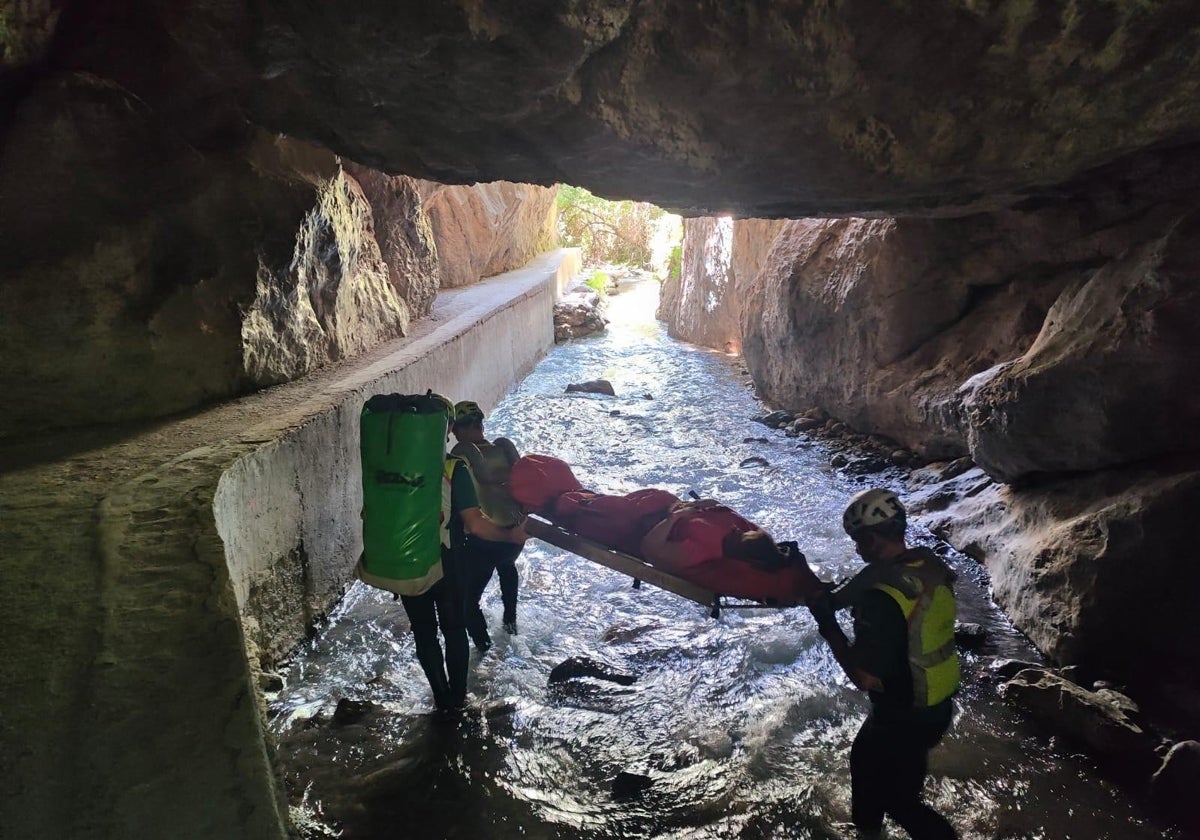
(465, 502)
(478, 525)
(659, 550)
(843, 651)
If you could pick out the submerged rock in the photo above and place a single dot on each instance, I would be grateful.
(627, 785)
(969, 636)
(578, 667)
(755, 461)
(351, 711)
(592, 386)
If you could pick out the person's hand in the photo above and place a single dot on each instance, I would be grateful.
(791, 550)
(821, 607)
(517, 533)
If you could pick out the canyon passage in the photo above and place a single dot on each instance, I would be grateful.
(741, 722)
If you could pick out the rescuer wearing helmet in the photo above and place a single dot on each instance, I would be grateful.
(904, 657)
(490, 462)
(444, 604)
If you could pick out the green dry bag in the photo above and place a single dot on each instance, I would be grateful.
(403, 457)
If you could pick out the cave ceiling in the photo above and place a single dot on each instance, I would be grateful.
(756, 108)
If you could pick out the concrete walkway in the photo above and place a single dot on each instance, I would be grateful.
(147, 570)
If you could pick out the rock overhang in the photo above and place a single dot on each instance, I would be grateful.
(774, 109)
(770, 109)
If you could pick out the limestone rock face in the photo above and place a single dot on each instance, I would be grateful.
(720, 256)
(1097, 570)
(406, 238)
(1114, 344)
(26, 29)
(770, 110)
(488, 229)
(1033, 340)
(334, 299)
(145, 275)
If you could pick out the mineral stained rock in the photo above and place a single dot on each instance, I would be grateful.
(488, 229)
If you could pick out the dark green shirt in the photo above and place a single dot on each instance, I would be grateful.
(462, 497)
(462, 489)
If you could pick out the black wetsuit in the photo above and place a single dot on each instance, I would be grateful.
(444, 605)
(482, 557)
(888, 761)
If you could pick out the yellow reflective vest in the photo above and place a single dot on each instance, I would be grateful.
(921, 584)
(448, 496)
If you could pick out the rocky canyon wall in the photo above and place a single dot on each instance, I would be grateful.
(487, 229)
(719, 256)
(1050, 342)
(146, 274)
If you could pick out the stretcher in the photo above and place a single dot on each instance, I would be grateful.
(636, 568)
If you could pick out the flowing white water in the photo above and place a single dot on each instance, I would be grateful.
(744, 723)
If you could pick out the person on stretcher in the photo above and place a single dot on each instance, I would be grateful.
(710, 545)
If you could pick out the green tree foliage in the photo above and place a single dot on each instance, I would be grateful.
(617, 232)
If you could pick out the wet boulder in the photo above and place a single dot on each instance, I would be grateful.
(807, 424)
(775, 419)
(755, 461)
(578, 314)
(1174, 785)
(592, 386)
(583, 667)
(969, 636)
(868, 465)
(1105, 728)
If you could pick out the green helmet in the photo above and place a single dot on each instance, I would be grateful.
(872, 507)
(466, 411)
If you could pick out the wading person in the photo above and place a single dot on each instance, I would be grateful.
(431, 588)
(903, 655)
(483, 554)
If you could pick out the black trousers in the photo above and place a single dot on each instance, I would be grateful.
(480, 559)
(442, 606)
(888, 763)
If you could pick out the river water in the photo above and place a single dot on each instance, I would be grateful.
(743, 723)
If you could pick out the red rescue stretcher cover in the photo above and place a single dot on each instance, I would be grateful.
(546, 485)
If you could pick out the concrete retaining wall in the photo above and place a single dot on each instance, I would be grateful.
(288, 513)
(153, 571)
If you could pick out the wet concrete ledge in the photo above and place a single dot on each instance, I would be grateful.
(182, 556)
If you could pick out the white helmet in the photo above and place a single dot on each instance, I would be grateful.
(872, 507)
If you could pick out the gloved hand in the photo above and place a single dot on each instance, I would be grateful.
(822, 610)
(791, 550)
